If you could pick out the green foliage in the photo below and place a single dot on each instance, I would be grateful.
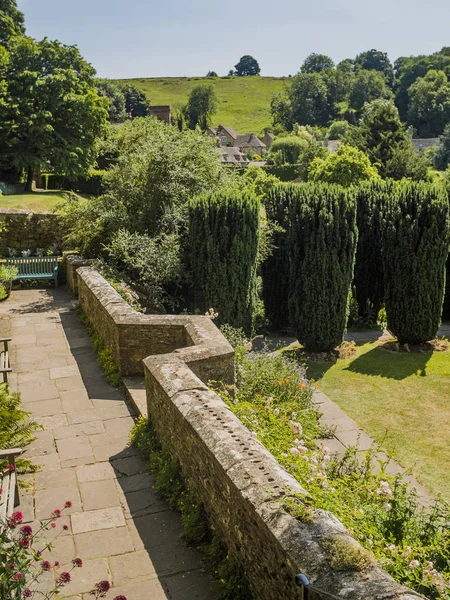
(111, 90)
(374, 60)
(258, 181)
(275, 269)
(136, 102)
(322, 246)
(316, 63)
(415, 243)
(287, 150)
(235, 336)
(170, 486)
(337, 130)
(273, 399)
(51, 114)
(223, 252)
(11, 21)
(306, 102)
(282, 172)
(442, 155)
(368, 86)
(369, 276)
(211, 74)
(429, 104)
(202, 104)
(247, 66)
(347, 166)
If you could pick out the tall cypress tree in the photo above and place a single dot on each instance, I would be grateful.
(223, 246)
(415, 244)
(275, 269)
(322, 241)
(369, 279)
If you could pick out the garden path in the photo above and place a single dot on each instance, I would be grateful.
(122, 532)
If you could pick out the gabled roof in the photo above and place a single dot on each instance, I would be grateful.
(212, 130)
(231, 154)
(231, 132)
(249, 140)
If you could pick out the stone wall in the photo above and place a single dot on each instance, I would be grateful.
(23, 230)
(239, 482)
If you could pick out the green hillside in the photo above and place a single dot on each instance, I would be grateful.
(243, 102)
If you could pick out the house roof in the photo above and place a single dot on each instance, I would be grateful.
(231, 132)
(249, 140)
(212, 130)
(232, 155)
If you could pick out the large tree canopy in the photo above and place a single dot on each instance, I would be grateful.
(51, 114)
(374, 60)
(429, 107)
(368, 86)
(315, 63)
(11, 21)
(109, 89)
(247, 66)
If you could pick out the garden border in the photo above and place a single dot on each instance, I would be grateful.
(238, 481)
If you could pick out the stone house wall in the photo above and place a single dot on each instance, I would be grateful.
(25, 230)
(238, 481)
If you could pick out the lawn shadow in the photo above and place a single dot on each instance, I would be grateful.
(380, 362)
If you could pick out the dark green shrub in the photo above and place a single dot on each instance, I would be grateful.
(415, 238)
(283, 172)
(368, 279)
(322, 246)
(275, 269)
(223, 242)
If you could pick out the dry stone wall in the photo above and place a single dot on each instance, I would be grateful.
(23, 230)
(239, 482)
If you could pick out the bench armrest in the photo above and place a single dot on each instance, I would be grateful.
(5, 339)
(12, 452)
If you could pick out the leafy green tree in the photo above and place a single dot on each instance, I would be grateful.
(347, 166)
(11, 21)
(211, 74)
(247, 66)
(223, 242)
(287, 149)
(306, 102)
(429, 106)
(51, 115)
(337, 130)
(442, 155)
(315, 63)
(383, 137)
(375, 60)
(202, 104)
(415, 243)
(136, 102)
(312, 150)
(109, 89)
(322, 246)
(368, 86)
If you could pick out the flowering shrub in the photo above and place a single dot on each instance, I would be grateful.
(274, 400)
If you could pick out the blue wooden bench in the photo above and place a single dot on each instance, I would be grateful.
(39, 267)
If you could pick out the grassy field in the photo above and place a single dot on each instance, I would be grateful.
(406, 395)
(37, 201)
(243, 102)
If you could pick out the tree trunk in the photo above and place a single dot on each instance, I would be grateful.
(29, 182)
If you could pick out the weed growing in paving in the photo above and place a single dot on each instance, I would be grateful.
(273, 399)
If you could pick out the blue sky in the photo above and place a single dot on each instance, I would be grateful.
(157, 38)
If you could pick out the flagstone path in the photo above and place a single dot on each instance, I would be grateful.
(116, 525)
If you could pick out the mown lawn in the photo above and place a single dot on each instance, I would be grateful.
(405, 395)
(37, 201)
(243, 102)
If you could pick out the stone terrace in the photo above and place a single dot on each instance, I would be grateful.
(117, 526)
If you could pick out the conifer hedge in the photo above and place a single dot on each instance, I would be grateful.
(223, 247)
(368, 279)
(415, 244)
(275, 269)
(322, 241)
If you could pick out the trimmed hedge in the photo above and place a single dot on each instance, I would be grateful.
(275, 270)
(369, 277)
(93, 184)
(322, 246)
(223, 249)
(415, 242)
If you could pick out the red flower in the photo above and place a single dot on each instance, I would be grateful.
(120, 598)
(17, 577)
(64, 578)
(77, 562)
(11, 468)
(27, 593)
(53, 524)
(1, 491)
(103, 586)
(24, 542)
(45, 565)
(11, 565)
(55, 514)
(68, 504)
(65, 527)
(26, 530)
(15, 519)
(56, 563)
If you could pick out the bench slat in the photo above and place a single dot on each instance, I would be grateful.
(11, 493)
(4, 483)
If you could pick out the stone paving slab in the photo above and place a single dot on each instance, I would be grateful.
(116, 524)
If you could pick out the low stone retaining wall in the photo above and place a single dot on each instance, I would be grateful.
(239, 482)
(23, 230)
